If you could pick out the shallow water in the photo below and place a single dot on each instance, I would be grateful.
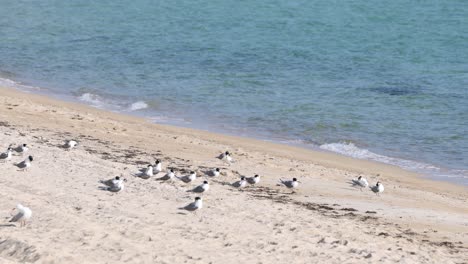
(384, 81)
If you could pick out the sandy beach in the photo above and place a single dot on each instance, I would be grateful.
(415, 220)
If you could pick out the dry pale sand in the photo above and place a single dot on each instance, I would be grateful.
(414, 221)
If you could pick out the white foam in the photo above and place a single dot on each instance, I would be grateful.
(351, 150)
(92, 99)
(168, 120)
(17, 85)
(138, 106)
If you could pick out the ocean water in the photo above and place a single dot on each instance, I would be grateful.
(379, 80)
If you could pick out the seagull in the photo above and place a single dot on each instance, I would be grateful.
(254, 180)
(113, 185)
(24, 213)
(146, 173)
(25, 164)
(169, 176)
(378, 188)
(241, 183)
(214, 173)
(201, 188)
(6, 155)
(188, 178)
(157, 166)
(70, 144)
(22, 148)
(226, 156)
(197, 204)
(360, 182)
(290, 184)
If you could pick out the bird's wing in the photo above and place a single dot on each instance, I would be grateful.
(286, 183)
(190, 207)
(184, 179)
(17, 217)
(357, 182)
(198, 189)
(164, 178)
(114, 188)
(143, 175)
(250, 180)
(109, 183)
(21, 164)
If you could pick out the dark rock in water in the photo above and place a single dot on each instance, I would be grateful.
(396, 91)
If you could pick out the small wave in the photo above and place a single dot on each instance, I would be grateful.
(169, 120)
(349, 149)
(138, 106)
(4, 82)
(92, 99)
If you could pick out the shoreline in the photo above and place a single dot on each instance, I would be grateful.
(425, 170)
(324, 157)
(321, 157)
(414, 220)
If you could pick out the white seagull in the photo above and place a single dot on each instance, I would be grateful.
(360, 182)
(169, 176)
(146, 173)
(378, 188)
(157, 166)
(226, 156)
(201, 188)
(241, 183)
(22, 148)
(70, 144)
(25, 164)
(254, 180)
(188, 178)
(290, 184)
(214, 173)
(24, 213)
(6, 155)
(113, 185)
(197, 204)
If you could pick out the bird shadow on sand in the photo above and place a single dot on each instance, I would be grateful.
(7, 225)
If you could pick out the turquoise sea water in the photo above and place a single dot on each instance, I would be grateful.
(385, 81)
